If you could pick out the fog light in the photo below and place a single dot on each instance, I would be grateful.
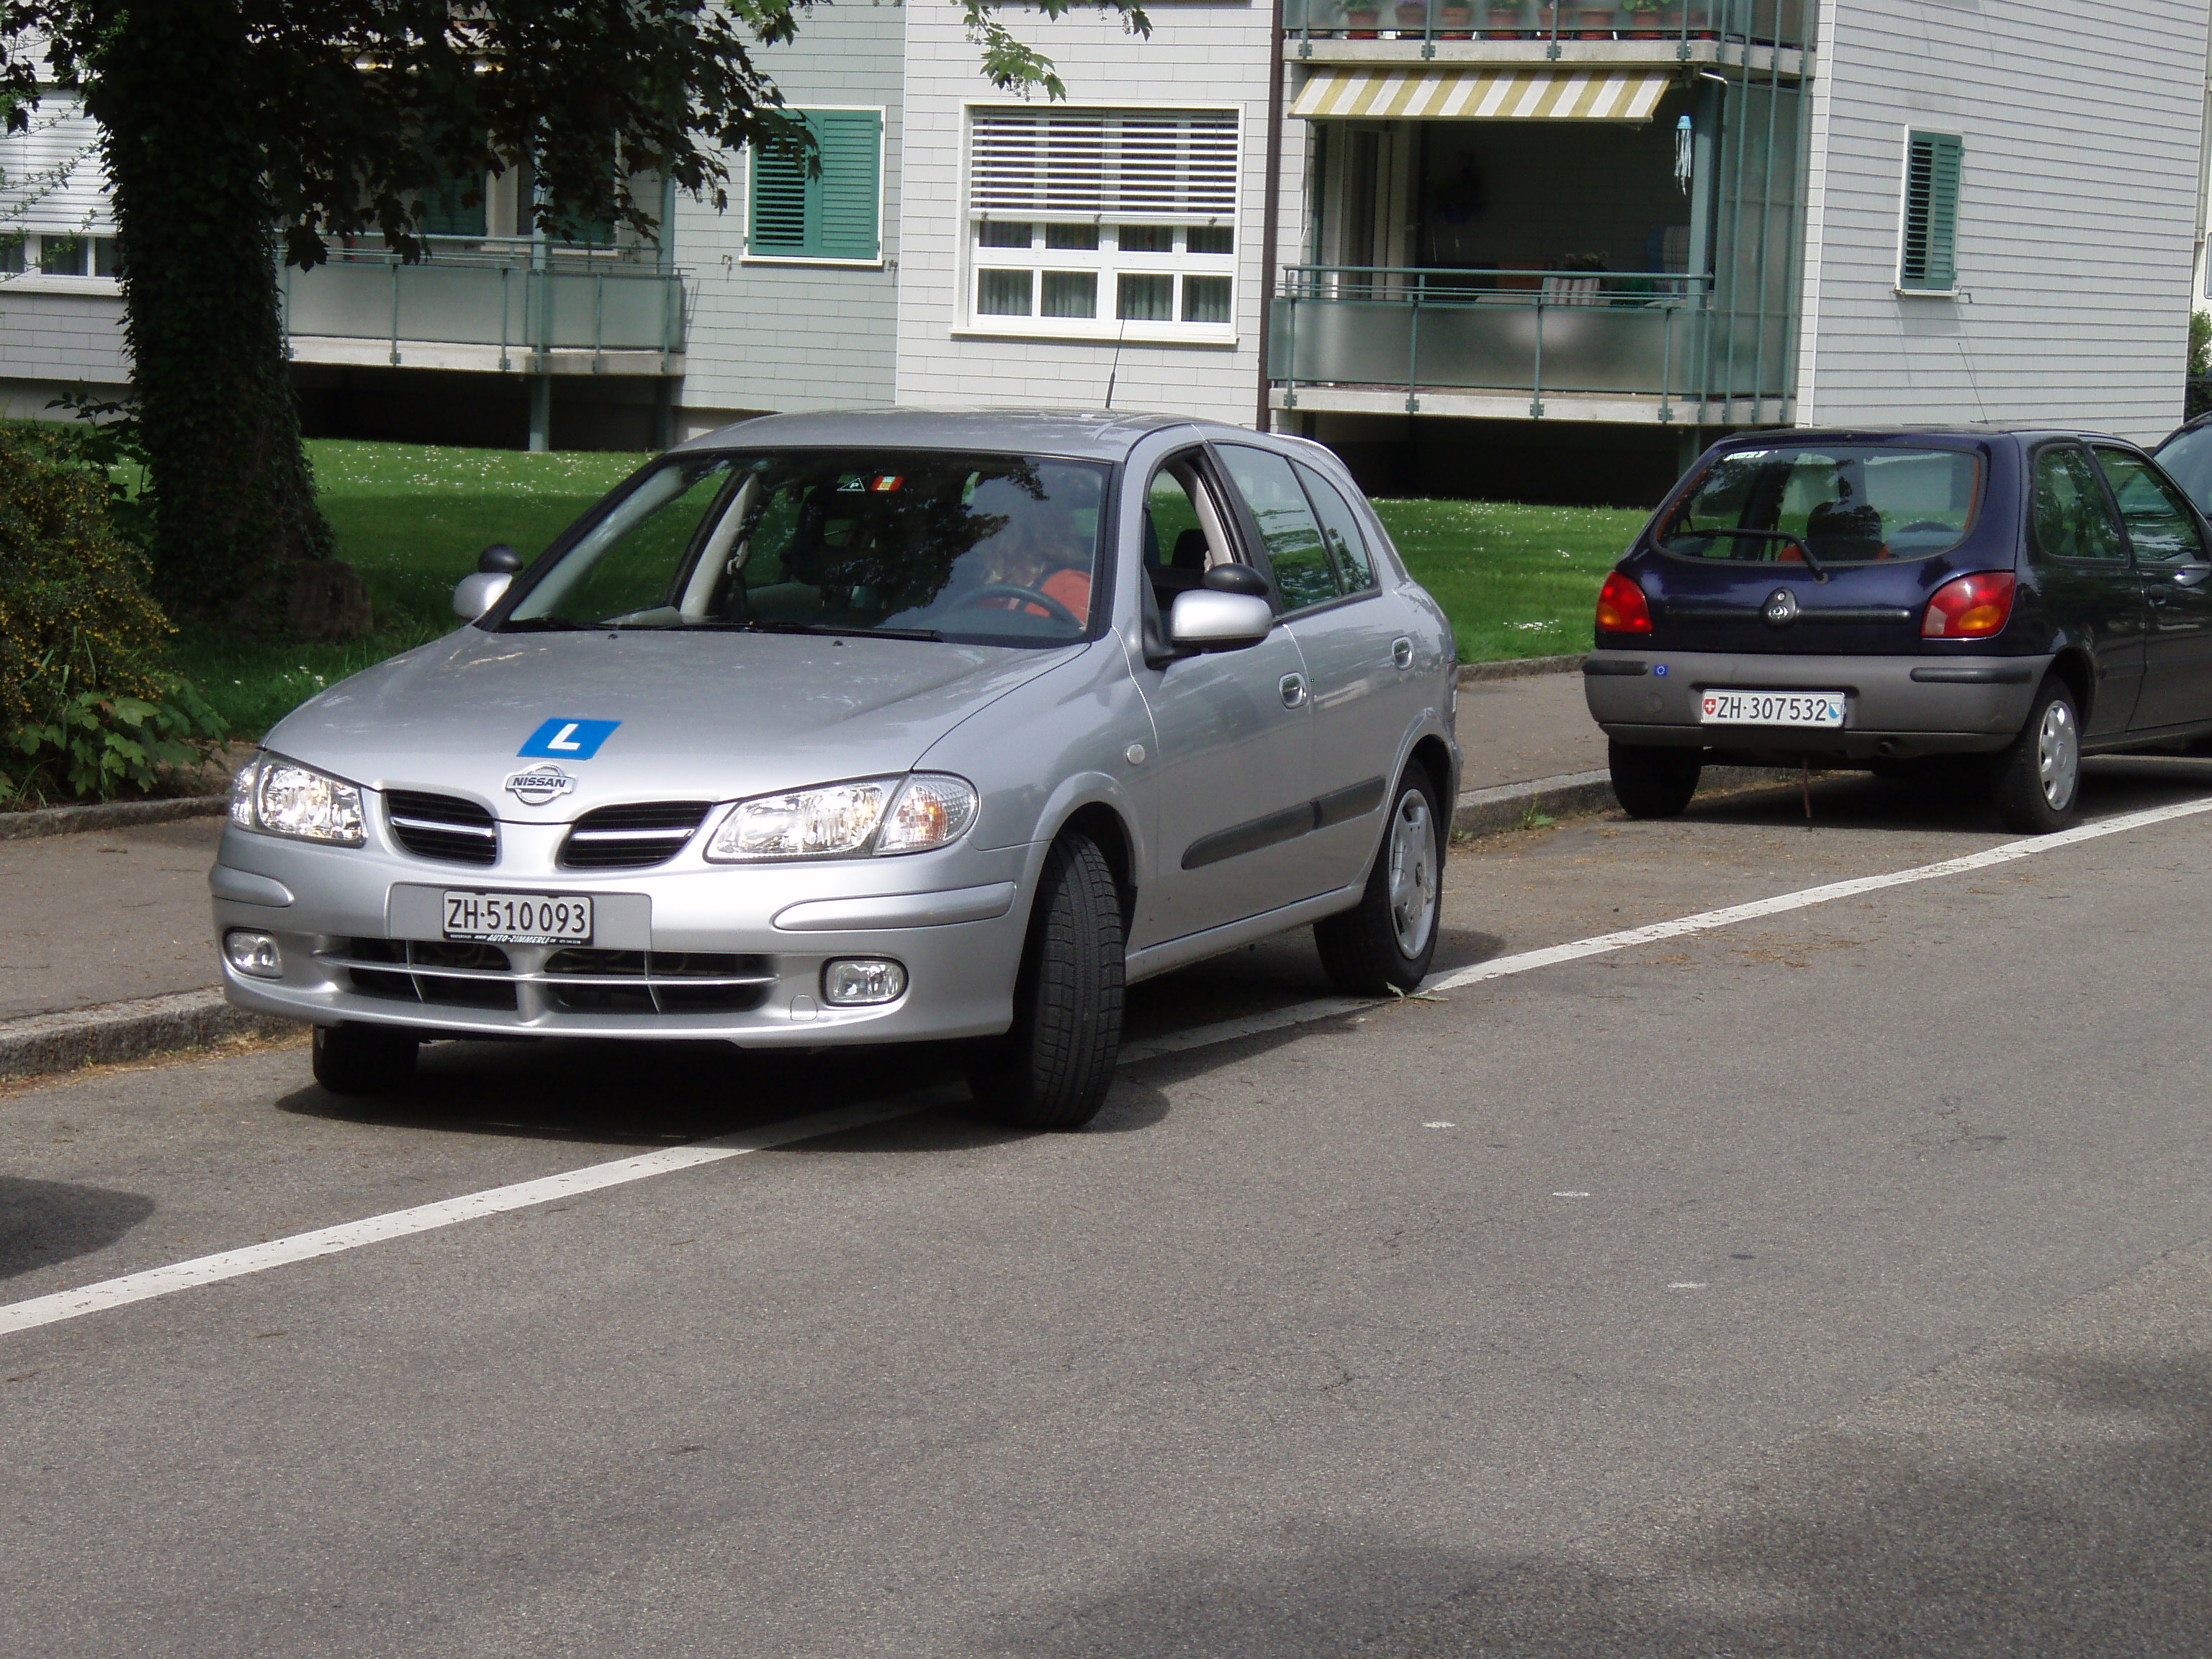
(861, 981)
(253, 953)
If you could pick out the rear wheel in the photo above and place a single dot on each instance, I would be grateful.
(1051, 1070)
(364, 1060)
(1652, 782)
(2036, 786)
(1387, 942)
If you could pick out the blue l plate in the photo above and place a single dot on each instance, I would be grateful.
(561, 739)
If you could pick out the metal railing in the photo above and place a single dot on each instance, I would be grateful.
(1765, 22)
(526, 300)
(1639, 334)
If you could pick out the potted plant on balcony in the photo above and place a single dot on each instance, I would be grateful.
(1507, 21)
(1597, 22)
(1412, 18)
(1644, 18)
(1359, 20)
(1456, 19)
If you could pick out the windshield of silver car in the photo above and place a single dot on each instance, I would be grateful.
(1827, 505)
(999, 549)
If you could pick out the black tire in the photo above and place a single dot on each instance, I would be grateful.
(1653, 782)
(1365, 951)
(364, 1060)
(2036, 784)
(1052, 1069)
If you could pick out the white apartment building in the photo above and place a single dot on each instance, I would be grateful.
(1525, 248)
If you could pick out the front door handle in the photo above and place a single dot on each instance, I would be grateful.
(1293, 689)
(1401, 651)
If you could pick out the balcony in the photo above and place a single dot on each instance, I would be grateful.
(488, 308)
(1765, 36)
(1634, 347)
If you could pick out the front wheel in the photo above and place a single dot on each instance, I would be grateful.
(364, 1060)
(1651, 782)
(1052, 1069)
(2036, 786)
(1387, 942)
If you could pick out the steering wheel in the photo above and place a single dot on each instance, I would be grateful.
(975, 596)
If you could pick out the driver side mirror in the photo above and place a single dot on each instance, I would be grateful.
(495, 571)
(1206, 619)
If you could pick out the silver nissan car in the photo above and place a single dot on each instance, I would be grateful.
(868, 728)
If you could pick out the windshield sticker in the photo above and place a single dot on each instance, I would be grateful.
(561, 739)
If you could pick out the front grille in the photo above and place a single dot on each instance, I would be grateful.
(577, 981)
(586, 981)
(442, 827)
(631, 835)
(476, 976)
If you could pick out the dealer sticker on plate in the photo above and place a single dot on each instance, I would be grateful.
(1771, 708)
(518, 918)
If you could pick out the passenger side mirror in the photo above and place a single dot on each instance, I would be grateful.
(1236, 579)
(495, 568)
(1206, 619)
(499, 559)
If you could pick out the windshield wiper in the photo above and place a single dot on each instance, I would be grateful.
(1790, 537)
(544, 625)
(782, 627)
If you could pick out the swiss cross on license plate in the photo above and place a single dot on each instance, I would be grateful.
(518, 918)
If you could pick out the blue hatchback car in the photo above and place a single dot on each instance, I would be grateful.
(1903, 599)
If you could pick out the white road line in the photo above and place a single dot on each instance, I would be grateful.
(423, 1218)
(351, 1235)
(1704, 922)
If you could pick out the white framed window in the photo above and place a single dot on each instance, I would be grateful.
(1102, 223)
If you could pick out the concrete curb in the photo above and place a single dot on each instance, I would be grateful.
(117, 1031)
(1509, 806)
(1519, 668)
(109, 815)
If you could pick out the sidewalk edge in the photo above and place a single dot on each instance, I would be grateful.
(117, 1031)
(1517, 668)
(109, 815)
(1511, 806)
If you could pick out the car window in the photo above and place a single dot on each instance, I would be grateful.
(1340, 527)
(2162, 528)
(1850, 504)
(2186, 458)
(1175, 535)
(2073, 520)
(990, 549)
(1304, 574)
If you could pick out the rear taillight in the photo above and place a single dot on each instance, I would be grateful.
(1969, 607)
(1621, 608)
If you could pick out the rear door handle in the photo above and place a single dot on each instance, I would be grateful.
(1401, 651)
(1293, 689)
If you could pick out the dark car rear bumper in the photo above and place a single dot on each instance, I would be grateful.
(1896, 706)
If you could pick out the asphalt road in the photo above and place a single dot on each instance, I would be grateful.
(1833, 1284)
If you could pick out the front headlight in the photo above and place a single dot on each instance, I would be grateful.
(870, 818)
(283, 797)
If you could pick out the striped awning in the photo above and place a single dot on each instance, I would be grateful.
(1337, 92)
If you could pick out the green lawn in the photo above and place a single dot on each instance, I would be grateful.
(1518, 581)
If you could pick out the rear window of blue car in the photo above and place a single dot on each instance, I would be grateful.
(1845, 504)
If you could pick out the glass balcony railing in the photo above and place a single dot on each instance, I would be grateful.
(1526, 334)
(557, 300)
(1759, 22)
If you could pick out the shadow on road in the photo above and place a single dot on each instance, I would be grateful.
(1954, 801)
(45, 1222)
(2057, 1505)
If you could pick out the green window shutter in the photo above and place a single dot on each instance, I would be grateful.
(1932, 167)
(836, 214)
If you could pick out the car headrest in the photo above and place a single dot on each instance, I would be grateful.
(1190, 550)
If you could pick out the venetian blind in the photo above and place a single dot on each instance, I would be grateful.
(51, 177)
(1171, 167)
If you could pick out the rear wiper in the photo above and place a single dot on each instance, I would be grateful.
(1820, 570)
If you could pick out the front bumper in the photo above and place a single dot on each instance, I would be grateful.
(683, 951)
(1896, 707)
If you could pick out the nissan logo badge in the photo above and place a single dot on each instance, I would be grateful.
(540, 784)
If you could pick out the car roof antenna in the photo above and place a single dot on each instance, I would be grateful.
(1116, 369)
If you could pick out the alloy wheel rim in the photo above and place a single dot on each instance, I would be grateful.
(2058, 756)
(1412, 874)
